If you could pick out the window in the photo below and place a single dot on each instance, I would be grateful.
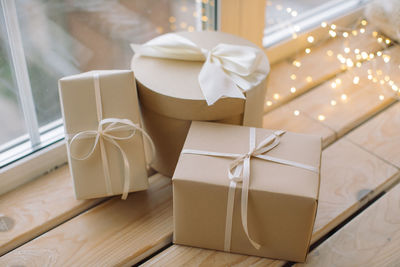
(42, 41)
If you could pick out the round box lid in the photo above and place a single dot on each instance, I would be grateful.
(170, 87)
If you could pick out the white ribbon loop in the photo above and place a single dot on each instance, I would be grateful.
(228, 71)
(110, 130)
(239, 172)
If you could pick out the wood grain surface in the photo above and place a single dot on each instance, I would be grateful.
(289, 118)
(370, 239)
(114, 233)
(38, 206)
(381, 135)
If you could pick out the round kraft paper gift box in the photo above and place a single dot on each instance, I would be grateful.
(175, 89)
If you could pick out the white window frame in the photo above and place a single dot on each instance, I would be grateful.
(233, 16)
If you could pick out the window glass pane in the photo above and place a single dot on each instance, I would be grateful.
(11, 118)
(67, 37)
(285, 11)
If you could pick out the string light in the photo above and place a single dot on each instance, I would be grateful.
(332, 33)
(308, 50)
(276, 96)
(356, 80)
(345, 34)
(380, 40)
(381, 97)
(362, 30)
(333, 103)
(321, 117)
(333, 26)
(310, 39)
(363, 22)
(293, 77)
(387, 41)
(296, 113)
(293, 90)
(309, 79)
(329, 53)
(324, 24)
(333, 85)
(269, 103)
(343, 97)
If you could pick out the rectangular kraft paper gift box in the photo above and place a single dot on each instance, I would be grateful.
(282, 200)
(118, 100)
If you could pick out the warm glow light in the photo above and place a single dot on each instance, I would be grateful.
(381, 97)
(296, 63)
(380, 40)
(362, 30)
(357, 51)
(183, 25)
(375, 34)
(293, 77)
(358, 64)
(338, 81)
(191, 29)
(332, 33)
(293, 90)
(358, 57)
(333, 85)
(386, 58)
(387, 78)
(333, 26)
(296, 113)
(349, 63)
(343, 97)
(329, 53)
(324, 24)
(346, 50)
(294, 13)
(288, 10)
(394, 87)
(333, 103)
(310, 39)
(308, 50)
(387, 41)
(204, 18)
(356, 80)
(382, 82)
(369, 77)
(369, 71)
(345, 34)
(321, 117)
(172, 19)
(354, 32)
(269, 103)
(364, 55)
(276, 96)
(296, 28)
(379, 72)
(379, 53)
(294, 36)
(363, 22)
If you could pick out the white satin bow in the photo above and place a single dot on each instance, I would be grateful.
(239, 172)
(108, 130)
(228, 69)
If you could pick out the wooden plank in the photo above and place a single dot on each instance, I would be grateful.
(350, 177)
(288, 118)
(370, 239)
(38, 206)
(362, 99)
(317, 65)
(189, 256)
(381, 135)
(116, 232)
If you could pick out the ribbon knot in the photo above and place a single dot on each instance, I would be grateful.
(111, 130)
(239, 172)
(228, 71)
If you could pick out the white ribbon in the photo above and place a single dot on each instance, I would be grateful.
(107, 131)
(228, 71)
(239, 172)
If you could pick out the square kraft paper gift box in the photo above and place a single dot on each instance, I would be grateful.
(104, 137)
(282, 190)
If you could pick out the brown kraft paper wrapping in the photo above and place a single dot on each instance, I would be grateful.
(282, 199)
(119, 100)
(170, 98)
